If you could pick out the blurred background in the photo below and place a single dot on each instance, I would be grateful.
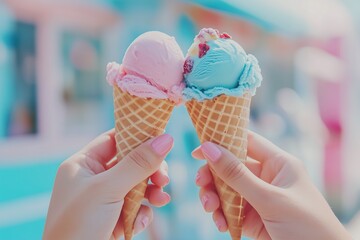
(54, 97)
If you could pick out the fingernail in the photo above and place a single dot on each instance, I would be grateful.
(195, 152)
(211, 151)
(167, 180)
(204, 200)
(162, 144)
(218, 225)
(145, 221)
(168, 197)
(197, 178)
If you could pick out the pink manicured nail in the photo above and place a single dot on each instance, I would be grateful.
(204, 200)
(195, 151)
(168, 197)
(162, 144)
(211, 151)
(145, 221)
(197, 178)
(167, 180)
(218, 225)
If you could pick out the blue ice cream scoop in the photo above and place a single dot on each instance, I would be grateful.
(218, 65)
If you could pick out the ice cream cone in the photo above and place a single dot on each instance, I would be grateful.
(136, 121)
(224, 121)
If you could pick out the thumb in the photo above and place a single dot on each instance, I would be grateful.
(139, 164)
(235, 174)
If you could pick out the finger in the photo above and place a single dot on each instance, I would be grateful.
(197, 154)
(219, 219)
(252, 224)
(260, 148)
(161, 177)
(209, 198)
(111, 163)
(254, 166)
(119, 227)
(203, 176)
(138, 165)
(156, 196)
(235, 174)
(102, 148)
(144, 218)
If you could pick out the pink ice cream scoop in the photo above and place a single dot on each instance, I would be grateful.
(152, 68)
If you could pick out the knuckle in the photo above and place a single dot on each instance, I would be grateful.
(298, 164)
(289, 160)
(141, 159)
(65, 167)
(234, 171)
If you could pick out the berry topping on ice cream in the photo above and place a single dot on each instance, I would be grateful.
(203, 48)
(188, 65)
(225, 35)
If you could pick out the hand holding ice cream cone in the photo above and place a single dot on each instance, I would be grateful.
(284, 203)
(220, 80)
(147, 86)
(90, 188)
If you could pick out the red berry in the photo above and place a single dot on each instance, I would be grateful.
(225, 35)
(203, 48)
(188, 65)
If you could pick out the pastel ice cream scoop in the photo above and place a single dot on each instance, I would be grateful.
(151, 68)
(215, 65)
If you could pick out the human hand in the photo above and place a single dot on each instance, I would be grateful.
(282, 201)
(91, 185)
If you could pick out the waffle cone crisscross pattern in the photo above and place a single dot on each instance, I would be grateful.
(224, 121)
(136, 121)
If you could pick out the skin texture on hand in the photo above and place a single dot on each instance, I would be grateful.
(282, 201)
(90, 187)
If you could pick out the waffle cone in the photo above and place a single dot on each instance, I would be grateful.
(224, 121)
(136, 121)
